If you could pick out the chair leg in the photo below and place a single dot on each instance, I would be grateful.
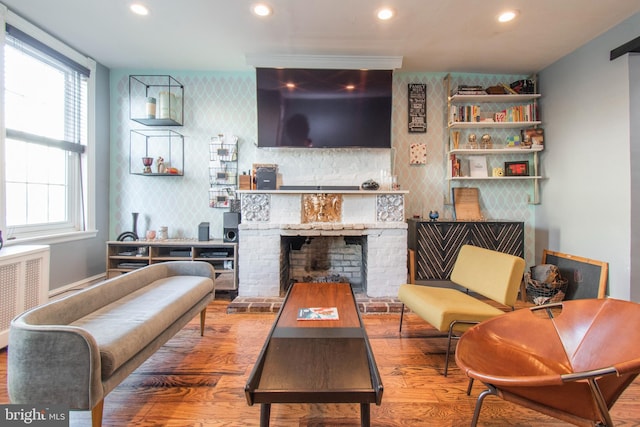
(401, 316)
(203, 316)
(446, 359)
(602, 405)
(96, 414)
(470, 386)
(476, 412)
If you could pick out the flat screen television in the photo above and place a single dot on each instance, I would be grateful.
(317, 108)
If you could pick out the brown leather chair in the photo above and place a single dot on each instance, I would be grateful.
(570, 360)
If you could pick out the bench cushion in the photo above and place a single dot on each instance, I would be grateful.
(124, 327)
(441, 306)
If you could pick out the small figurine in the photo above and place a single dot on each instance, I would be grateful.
(434, 215)
(473, 141)
(161, 166)
(486, 141)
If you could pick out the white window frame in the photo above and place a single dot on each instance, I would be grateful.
(52, 234)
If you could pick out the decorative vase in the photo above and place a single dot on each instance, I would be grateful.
(456, 139)
(134, 229)
(147, 162)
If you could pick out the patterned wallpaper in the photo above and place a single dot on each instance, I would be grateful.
(219, 102)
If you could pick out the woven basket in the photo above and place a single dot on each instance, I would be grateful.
(545, 285)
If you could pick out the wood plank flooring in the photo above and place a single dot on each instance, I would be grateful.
(199, 381)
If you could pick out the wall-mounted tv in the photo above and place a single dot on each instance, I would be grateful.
(319, 108)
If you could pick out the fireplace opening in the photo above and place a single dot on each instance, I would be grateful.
(323, 259)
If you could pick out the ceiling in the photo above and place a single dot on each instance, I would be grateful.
(429, 35)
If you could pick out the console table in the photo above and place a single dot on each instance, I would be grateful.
(437, 243)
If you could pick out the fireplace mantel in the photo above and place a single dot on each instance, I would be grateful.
(358, 206)
(268, 215)
(319, 189)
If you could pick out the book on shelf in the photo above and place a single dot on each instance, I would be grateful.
(318, 313)
(468, 90)
(455, 166)
(478, 166)
(464, 113)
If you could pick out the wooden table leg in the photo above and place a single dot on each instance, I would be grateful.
(365, 416)
(265, 413)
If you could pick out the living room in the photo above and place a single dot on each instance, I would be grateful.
(587, 198)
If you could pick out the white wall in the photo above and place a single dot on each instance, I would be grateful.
(586, 209)
(634, 77)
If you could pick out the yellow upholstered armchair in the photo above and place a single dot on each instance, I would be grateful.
(494, 275)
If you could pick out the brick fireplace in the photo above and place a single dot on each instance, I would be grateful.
(369, 230)
(323, 259)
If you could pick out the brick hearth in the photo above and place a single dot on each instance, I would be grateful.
(366, 304)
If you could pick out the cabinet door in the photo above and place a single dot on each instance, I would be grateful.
(438, 243)
(507, 237)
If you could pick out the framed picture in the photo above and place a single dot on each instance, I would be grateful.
(534, 135)
(417, 107)
(516, 168)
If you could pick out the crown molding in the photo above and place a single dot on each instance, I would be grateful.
(324, 61)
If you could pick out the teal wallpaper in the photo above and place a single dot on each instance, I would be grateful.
(224, 102)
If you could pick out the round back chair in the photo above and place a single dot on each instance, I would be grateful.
(570, 360)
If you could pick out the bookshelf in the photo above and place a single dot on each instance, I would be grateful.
(471, 112)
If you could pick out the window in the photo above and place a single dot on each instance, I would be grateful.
(47, 136)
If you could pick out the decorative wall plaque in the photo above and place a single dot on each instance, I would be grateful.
(417, 107)
(390, 207)
(321, 208)
(256, 207)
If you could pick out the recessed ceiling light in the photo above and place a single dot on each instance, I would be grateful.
(261, 9)
(507, 16)
(385, 13)
(139, 9)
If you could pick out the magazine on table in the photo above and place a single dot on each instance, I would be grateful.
(318, 313)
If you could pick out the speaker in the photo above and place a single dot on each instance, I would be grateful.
(203, 232)
(266, 178)
(230, 223)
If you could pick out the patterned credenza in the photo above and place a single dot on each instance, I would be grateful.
(436, 244)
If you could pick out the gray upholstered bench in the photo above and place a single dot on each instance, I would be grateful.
(74, 351)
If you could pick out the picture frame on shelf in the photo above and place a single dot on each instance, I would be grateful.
(534, 135)
(516, 168)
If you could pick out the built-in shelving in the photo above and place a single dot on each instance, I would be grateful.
(126, 256)
(493, 117)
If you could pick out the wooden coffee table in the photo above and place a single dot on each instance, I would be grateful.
(316, 361)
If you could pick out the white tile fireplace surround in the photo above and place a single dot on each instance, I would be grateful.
(267, 216)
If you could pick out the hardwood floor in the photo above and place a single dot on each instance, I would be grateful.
(199, 381)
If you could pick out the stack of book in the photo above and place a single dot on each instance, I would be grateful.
(468, 90)
(464, 113)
